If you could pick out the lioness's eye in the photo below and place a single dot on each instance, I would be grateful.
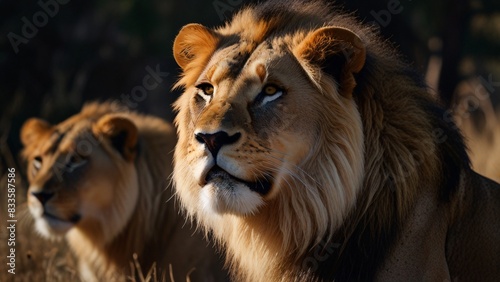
(37, 163)
(75, 161)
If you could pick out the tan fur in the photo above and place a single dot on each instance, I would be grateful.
(110, 168)
(356, 157)
(476, 117)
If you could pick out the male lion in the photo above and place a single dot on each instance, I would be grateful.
(314, 154)
(99, 179)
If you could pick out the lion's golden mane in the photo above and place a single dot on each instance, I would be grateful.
(374, 149)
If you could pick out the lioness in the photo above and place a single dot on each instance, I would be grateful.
(99, 179)
(314, 154)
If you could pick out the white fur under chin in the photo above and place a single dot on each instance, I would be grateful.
(240, 200)
(49, 228)
(55, 230)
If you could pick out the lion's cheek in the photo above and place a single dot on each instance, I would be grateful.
(296, 146)
(293, 150)
(99, 187)
(187, 172)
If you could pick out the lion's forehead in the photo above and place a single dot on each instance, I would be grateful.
(228, 62)
(240, 59)
(63, 140)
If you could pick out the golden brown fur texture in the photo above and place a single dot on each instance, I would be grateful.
(313, 153)
(100, 179)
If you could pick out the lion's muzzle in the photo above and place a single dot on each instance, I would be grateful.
(215, 141)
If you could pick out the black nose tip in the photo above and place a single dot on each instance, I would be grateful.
(216, 140)
(42, 196)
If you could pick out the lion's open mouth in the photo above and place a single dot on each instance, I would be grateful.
(217, 174)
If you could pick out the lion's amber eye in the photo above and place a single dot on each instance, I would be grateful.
(270, 89)
(269, 93)
(207, 88)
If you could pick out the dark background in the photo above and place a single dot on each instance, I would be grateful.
(88, 50)
(91, 50)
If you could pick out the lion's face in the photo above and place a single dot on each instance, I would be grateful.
(78, 180)
(247, 134)
(252, 123)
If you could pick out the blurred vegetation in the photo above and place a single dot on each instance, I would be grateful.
(100, 50)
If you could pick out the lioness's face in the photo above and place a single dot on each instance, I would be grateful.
(75, 180)
(247, 128)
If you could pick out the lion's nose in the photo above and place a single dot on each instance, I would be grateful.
(215, 141)
(42, 196)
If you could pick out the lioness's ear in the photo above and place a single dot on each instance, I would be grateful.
(193, 41)
(336, 49)
(32, 129)
(121, 132)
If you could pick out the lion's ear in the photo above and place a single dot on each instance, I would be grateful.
(337, 50)
(121, 132)
(194, 41)
(32, 129)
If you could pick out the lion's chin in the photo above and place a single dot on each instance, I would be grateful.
(224, 193)
(225, 180)
(49, 224)
(52, 228)
(228, 196)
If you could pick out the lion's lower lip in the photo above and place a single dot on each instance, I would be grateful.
(261, 186)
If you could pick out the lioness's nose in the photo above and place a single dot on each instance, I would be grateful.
(42, 196)
(215, 141)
